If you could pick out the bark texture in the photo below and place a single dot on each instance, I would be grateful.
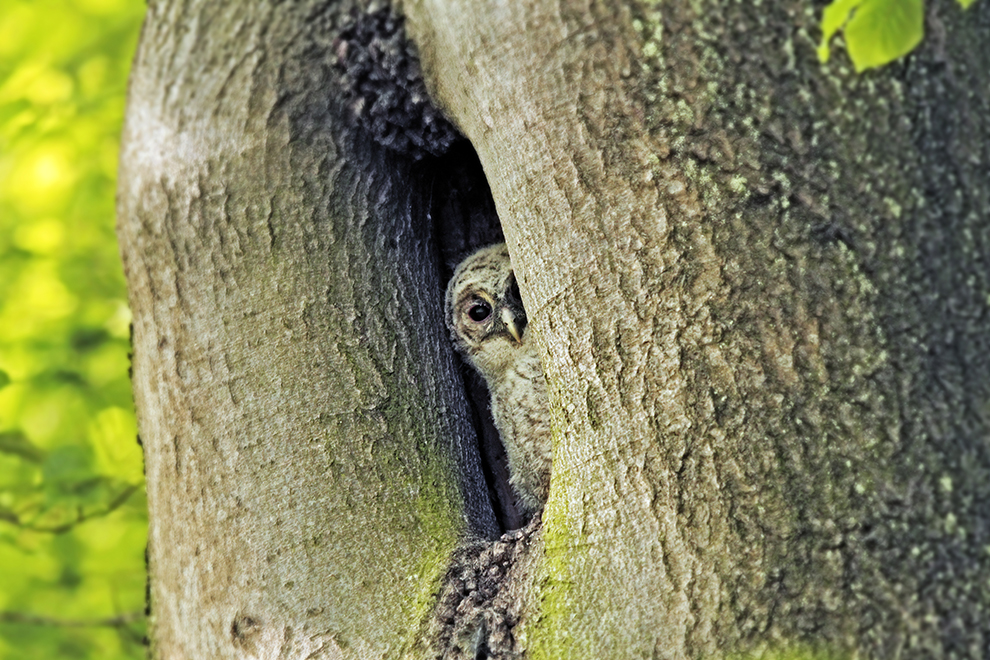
(310, 459)
(762, 287)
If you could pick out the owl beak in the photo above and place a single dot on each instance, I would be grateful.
(510, 324)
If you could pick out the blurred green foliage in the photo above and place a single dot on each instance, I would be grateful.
(72, 510)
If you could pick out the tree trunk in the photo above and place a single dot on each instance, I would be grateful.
(761, 290)
(310, 459)
(766, 324)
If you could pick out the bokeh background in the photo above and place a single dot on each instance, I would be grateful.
(73, 518)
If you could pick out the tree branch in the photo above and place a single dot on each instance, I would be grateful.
(81, 515)
(118, 621)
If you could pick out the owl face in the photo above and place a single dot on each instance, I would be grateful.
(484, 310)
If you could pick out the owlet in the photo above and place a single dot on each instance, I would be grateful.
(488, 325)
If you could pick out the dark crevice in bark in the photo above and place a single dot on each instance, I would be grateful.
(383, 92)
(508, 510)
(463, 218)
(461, 205)
(383, 86)
(479, 604)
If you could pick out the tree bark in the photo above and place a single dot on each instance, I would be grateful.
(765, 325)
(310, 459)
(760, 286)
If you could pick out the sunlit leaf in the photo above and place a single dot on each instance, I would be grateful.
(114, 440)
(876, 31)
(882, 30)
(43, 237)
(834, 17)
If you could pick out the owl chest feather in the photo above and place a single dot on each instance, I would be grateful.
(489, 326)
(519, 408)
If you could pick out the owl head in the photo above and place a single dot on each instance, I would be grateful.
(484, 310)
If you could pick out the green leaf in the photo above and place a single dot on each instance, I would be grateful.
(833, 18)
(4, 379)
(966, 3)
(876, 31)
(883, 30)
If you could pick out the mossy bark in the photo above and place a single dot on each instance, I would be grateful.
(762, 289)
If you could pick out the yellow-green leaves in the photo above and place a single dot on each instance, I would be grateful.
(876, 31)
(73, 519)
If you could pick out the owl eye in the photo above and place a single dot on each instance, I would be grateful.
(479, 311)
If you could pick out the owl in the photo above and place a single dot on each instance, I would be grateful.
(488, 325)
